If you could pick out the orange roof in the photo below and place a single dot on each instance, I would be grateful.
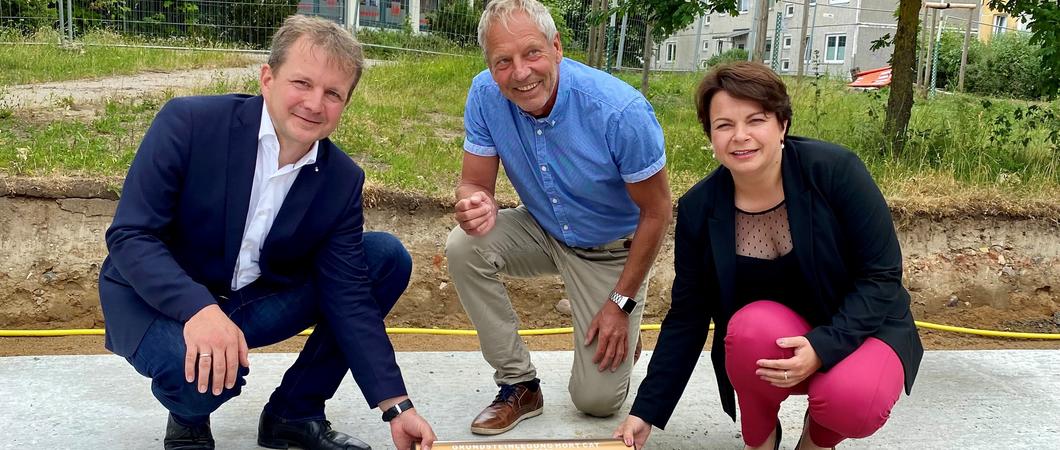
(874, 78)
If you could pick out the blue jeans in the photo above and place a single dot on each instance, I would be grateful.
(267, 318)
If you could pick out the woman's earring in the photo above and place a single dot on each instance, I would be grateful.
(713, 155)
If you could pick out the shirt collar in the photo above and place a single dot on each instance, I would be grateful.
(266, 129)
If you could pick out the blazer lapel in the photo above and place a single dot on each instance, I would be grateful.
(722, 225)
(800, 212)
(242, 158)
(299, 199)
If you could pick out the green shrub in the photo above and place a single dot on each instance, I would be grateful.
(736, 54)
(457, 22)
(26, 15)
(1008, 66)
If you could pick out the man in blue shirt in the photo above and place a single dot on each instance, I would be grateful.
(585, 154)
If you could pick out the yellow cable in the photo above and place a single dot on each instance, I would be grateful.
(544, 331)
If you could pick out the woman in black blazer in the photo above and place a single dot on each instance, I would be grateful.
(789, 247)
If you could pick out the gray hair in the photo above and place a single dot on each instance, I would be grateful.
(340, 46)
(503, 10)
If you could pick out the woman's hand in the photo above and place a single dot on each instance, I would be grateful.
(786, 373)
(633, 431)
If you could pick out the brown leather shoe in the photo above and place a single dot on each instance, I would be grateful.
(513, 404)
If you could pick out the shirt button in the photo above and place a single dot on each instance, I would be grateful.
(544, 168)
(539, 132)
(555, 201)
(566, 227)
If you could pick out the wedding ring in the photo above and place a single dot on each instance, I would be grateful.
(207, 355)
(785, 375)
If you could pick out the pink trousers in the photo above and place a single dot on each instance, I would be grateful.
(852, 400)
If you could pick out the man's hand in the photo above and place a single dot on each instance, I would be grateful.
(786, 373)
(611, 325)
(476, 213)
(215, 345)
(409, 427)
(634, 432)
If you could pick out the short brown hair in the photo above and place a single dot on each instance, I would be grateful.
(747, 81)
(340, 46)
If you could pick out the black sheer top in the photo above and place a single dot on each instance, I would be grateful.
(766, 264)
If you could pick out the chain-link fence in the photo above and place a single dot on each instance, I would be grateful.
(443, 26)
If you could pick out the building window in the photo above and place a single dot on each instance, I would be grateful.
(789, 11)
(706, 45)
(671, 51)
(740, 46)
(786, 42)
(703, 63)
(706, 21)
(743, 5)
(769, 46)
(1022, 23)
(785, 65)
(834, 2)
(807, 52)
(999, 24)
(721, 47)
(835, 48)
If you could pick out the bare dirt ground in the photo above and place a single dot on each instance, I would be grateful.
(95, 91)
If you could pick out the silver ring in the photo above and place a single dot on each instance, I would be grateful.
(204, 355)
(785, 375)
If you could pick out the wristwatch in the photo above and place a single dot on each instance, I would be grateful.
(399, 408)
(625, 303)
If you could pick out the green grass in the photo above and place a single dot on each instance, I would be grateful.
(404, 126)
(36, 59)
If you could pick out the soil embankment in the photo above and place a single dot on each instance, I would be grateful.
(980, 271)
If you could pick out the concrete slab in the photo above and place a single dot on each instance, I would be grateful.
(962, 400)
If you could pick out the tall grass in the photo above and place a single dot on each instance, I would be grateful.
(405, 127)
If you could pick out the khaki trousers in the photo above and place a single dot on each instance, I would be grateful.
(517, 246)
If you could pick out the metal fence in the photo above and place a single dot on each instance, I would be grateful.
(444, 26)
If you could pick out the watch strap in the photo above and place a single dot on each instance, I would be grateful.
(397, 409)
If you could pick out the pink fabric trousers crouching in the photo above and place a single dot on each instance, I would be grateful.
(852, 400)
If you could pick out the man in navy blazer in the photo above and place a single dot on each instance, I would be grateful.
(240, 224)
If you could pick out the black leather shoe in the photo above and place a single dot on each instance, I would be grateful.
(180, 437)
(275, 432)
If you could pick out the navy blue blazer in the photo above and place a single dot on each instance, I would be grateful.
(179, 224)
(848, 254)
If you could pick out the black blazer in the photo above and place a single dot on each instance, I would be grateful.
(848, 254)
(176, 233)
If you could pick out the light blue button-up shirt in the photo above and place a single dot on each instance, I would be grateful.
(570, 168)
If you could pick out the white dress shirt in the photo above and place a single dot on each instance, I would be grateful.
(271, 184)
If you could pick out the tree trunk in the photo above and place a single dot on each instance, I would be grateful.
(903, 74)
(647, 60)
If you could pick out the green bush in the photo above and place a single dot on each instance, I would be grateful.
(1008, 66)
(1011, 67)
(457, 22)
(731, 55)
(26, 15)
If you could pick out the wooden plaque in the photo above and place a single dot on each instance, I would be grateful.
(531, 444)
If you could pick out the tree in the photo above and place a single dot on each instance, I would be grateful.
(903, 75)
(666, 17)
(1044, 23)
